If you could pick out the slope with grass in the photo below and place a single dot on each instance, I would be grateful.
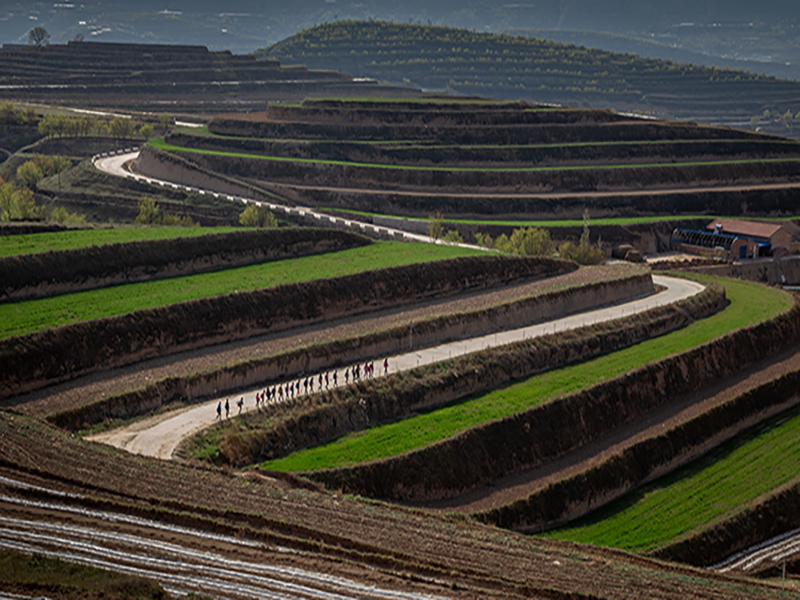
(745, 471)
(24, 317)
(34, 243)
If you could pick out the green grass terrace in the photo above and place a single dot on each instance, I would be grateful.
(33, 243)
(750, 303)
(19, 318)
(704, 492)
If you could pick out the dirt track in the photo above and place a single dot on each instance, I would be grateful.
(82, 390)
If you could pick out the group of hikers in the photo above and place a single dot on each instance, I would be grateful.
(286, 391)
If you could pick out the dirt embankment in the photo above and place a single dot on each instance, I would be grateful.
(427, 332)
(395, 397)
(522, 441)
(34, 360)
(45, 274)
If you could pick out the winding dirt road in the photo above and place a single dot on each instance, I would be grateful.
(159, 436)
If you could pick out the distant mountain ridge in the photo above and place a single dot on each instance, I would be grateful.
(520, 67)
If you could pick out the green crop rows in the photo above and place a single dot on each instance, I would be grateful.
(750, 303)
(11, 245)
(700, 494)
(160, 145)
(34, 315)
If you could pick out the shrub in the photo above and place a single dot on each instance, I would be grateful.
(257, 216)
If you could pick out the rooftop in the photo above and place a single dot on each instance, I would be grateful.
(746, 228)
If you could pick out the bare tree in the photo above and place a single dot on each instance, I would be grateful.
(39, 36)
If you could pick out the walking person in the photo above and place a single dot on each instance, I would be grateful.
(240, 404)
(335, 380)
(305, 385)
(227, 408)
(347, 375)
(219, 410)
(326, 380)
(385, 366)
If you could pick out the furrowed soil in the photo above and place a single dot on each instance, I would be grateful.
(283, 526)
(85, 390)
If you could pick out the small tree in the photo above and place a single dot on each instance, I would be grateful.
(436, 226)
(165, 119)
(146, 131)
(148, 211)
(38, 36)
(29, 174)
(120, 128)
(62, 215)
(257, 216)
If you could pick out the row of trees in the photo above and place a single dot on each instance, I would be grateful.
(11, 115)
(18, 204)
(119, 128)
(535, 241)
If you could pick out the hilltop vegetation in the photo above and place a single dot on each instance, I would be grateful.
(512, 67)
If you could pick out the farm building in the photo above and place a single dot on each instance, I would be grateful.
(777, 235)
(715, 245)
(732, 239)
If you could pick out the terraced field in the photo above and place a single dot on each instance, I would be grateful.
(749, 305)
(19, 318)
(699, 495)
(499, 161)
(14, 245)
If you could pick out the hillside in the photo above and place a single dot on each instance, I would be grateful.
(152, 76)
(519, 67)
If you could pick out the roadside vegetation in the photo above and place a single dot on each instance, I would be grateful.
(749, 303)
(35, 315)
(700, 494)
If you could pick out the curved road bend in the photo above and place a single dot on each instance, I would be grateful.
(115, 165)
(160, 435)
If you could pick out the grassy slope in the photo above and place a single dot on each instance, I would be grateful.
(707, 491)
(34, 315)
(12, 245)
(160, 145)
(750, 303)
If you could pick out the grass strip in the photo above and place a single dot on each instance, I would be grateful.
(749, 303)
(34, 243)
(34, 315)
(704, 492)
(161, 145)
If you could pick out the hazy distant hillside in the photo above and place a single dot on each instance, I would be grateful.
(764, 33)
(512, 67)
